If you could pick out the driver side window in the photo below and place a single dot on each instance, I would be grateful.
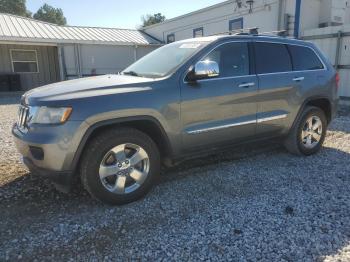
(232, 58)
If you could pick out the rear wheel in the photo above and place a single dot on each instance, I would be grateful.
(309, 132)
(120, 166)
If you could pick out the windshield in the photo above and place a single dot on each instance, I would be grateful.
(164, 60)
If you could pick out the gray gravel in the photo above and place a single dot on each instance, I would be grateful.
(252, 203)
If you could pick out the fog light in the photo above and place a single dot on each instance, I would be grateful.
(37, 152)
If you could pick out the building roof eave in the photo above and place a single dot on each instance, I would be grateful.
(16, 28)
(44, 41)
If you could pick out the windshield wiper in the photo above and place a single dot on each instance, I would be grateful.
(131, 73)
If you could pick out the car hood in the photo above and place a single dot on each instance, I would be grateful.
(87, 87)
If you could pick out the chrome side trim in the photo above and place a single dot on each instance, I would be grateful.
(259, 120)
(266, 119)
(222, 78)
(204, 130)
(290, 72)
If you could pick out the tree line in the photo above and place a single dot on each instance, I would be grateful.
(54, 15)
(45, 13)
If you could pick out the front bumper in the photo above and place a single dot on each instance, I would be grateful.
(62, 179)
(50, 150)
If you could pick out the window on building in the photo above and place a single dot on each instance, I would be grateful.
(236, 24)
(24, 61)
(272, 58)
(232, 58)
(170, 38)
(198, 32)
(304, 58)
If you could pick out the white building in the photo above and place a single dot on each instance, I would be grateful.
(295, 16)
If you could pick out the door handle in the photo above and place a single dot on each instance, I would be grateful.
(246, 85)
(298, 79)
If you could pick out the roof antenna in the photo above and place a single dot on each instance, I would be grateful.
(250, 3)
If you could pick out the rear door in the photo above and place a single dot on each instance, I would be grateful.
(286, 73)
(308, 69)
(221, 109)
(276, 86)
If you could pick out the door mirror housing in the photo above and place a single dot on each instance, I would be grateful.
(204, 69)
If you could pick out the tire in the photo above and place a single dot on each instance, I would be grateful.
(295, 144)
(115, 151)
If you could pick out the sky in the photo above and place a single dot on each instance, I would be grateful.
(119, 13)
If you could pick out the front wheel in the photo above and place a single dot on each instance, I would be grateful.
(309, 132)
(120, 166)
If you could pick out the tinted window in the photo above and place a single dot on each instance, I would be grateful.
(304, 58)
(232, 58)
(272, 58)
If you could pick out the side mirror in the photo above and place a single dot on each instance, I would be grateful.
(204, 69)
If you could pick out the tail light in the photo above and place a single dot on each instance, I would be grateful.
(337, 80)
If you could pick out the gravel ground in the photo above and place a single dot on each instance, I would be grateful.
(252, 203)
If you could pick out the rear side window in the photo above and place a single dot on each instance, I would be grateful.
(304, 58)
(272, 58)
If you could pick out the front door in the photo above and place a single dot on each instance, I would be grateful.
(221, 109)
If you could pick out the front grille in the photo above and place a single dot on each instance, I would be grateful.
(23, 113)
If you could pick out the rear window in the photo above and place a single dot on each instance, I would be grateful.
(304, 58)
(272, 58)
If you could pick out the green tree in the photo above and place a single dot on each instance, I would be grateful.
(50, 14)
(15, 7)
(152, 19)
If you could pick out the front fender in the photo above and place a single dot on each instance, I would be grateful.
(120, 116)
(102, 120)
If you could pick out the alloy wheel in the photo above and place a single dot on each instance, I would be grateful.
(311, 133)
(124, 168)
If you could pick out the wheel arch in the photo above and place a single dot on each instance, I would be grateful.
(322, 102)
(147, 124)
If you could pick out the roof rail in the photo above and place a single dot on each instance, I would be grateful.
(281, 33)
(254, 31)
(243, 31)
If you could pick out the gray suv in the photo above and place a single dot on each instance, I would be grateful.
(184, 99)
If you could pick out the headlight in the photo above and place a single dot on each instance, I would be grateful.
(49, 115)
